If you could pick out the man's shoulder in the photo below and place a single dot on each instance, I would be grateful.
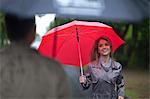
(43, 59)
(28, 58)
(4, 53)
(3, 50)
(50, 67)
(49, 63)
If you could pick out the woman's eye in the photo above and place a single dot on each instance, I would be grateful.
(100, 45)
(106, 44)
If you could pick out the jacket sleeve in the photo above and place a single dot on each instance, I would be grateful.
(120, 82)
(89, 79)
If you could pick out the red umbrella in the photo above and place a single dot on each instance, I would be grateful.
(72, 43)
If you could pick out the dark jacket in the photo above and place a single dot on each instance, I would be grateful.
(24, 74)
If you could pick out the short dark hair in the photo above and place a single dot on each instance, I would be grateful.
(18, 27)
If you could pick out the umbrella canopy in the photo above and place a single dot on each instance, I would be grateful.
(72, 43)
(130, 10)
(27, 8)
(114, 10)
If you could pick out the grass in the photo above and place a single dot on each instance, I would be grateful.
(137, 84)
(131, 94)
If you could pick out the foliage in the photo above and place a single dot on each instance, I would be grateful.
(138, 48)
(3, 36)
(58, 22)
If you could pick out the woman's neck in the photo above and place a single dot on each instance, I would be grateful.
(105, 59)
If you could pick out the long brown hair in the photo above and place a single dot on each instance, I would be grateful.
(94, 54)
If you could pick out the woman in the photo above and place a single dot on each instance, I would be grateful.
(103, 73)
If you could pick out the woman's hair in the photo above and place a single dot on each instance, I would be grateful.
(94, 54)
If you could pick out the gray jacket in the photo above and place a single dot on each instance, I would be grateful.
(106, 83)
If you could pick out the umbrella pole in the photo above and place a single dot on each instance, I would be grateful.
(79, 50)
(80, 58)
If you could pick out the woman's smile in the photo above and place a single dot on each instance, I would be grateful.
(104, 48)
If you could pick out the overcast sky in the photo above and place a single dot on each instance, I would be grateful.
(42, 23)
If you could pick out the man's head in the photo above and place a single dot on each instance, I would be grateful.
(19, 28)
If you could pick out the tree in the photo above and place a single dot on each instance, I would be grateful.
(3, 36)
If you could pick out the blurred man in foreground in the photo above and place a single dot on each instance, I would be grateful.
(24, 74)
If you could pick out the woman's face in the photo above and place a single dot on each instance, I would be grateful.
(104, 48)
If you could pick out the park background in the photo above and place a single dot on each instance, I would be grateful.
(133, 55)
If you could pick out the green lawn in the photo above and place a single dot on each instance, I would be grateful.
(137, 84)
(131, 94)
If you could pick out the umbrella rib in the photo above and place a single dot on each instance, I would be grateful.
(87, 32)
(66, 39)
(62, 35)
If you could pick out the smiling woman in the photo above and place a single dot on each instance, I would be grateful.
(103, 73)
(104, 46)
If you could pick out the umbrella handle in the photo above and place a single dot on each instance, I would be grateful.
(80, 59)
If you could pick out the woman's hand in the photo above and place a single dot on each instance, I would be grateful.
(120, 97)
(82, 79)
